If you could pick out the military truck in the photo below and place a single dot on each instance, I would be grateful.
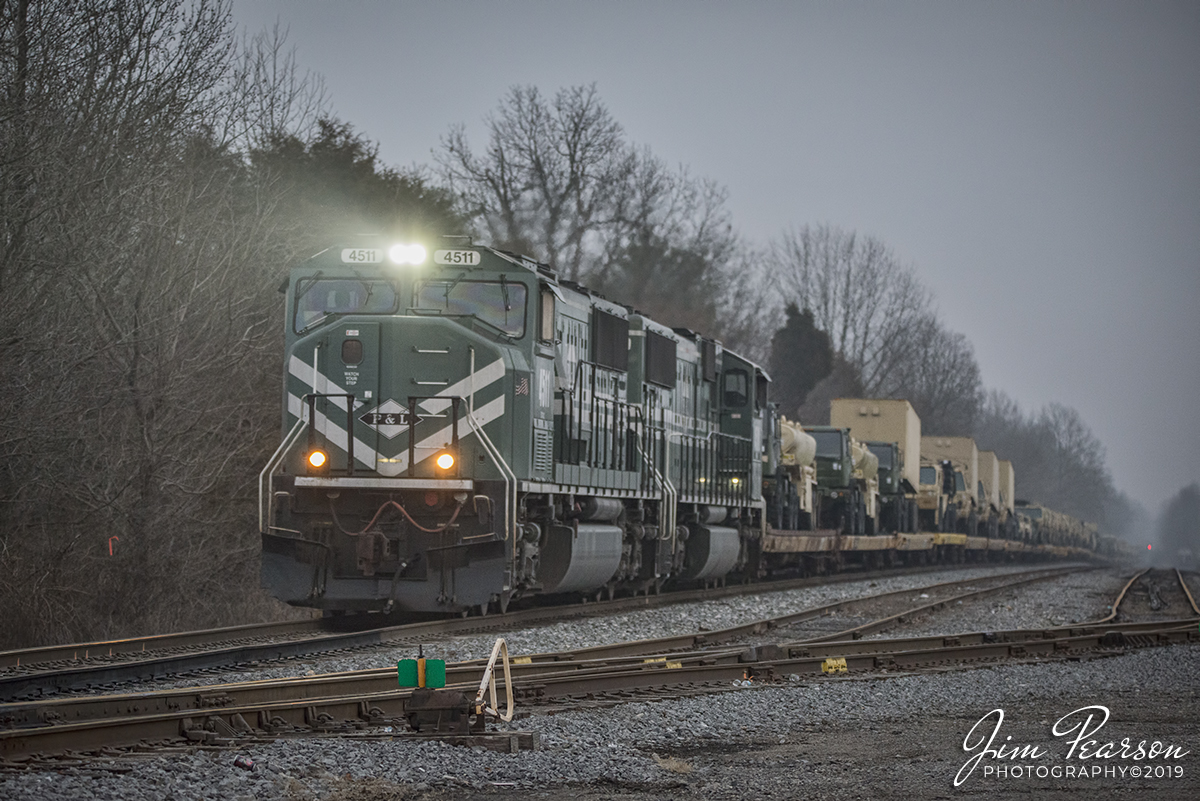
(1051, 527)
(891, 430)
(1010, 525)
(962, 506)
(788, 510)
(847, 485)
(935, 489)
(989, 494)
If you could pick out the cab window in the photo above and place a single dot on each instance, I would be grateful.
(736, 388)
(317, 299)
(500, 304)
(546, 319)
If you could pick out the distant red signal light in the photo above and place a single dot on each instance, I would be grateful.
(1148, 547)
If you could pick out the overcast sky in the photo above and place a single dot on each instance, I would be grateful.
(1038, 162)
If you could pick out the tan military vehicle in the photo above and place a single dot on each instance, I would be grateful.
(1012, 526)
(989, 494)
(935, 489)
(962, 454)
(891, 430)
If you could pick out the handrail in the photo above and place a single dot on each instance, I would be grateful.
(667, 518)
(489, 683)
(272, 464)
(510, 488)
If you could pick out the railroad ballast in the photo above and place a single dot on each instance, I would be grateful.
(462, 428)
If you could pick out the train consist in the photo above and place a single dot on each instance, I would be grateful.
(463, 428)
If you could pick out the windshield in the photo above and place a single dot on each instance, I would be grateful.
(317, 299)
(498, 303)
(884, 454)
(928, 475)
(959, 484)
(829, 443)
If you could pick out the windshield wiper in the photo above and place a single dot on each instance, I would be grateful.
(312, 281)
(450, 287)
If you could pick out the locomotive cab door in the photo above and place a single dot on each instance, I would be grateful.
(354, 365)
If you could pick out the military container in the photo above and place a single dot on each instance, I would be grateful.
(1007, 485)
(989, 480)
(959, 450)
(883, 421)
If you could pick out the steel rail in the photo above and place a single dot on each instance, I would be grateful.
(91, 672)
(80, 651)
(74, 652)
(557, 682)
(1187, 591)
(199, 698)
(1116, 605)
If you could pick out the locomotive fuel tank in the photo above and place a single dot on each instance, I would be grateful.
(580, 557)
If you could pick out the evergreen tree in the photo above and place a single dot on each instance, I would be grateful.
(801, 355)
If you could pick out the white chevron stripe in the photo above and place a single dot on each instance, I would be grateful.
(483, 377)
(364, 453)
(323, 386)
(425, 448)
(334, 433)
(432, 444)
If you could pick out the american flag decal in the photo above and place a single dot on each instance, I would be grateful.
(522, 385)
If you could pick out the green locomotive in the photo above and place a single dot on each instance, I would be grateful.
(462, 428)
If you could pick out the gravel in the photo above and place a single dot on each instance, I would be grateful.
(581, 633)
(1074, 598)
(898, 736)
(895, 737)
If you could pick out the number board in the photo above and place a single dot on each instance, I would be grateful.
(459, 257)
(361, 256)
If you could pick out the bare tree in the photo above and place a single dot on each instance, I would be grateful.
(940, 377)
(669, 246)
(137, 257)
(859, 293)
(269, 97)
(559, 182)
(547, 182)
(1057, 458)
(882, 325)
(750, 311)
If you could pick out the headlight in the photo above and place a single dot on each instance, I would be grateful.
(317, 459)
(445, 460)
(407, 254)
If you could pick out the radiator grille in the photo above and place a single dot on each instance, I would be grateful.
(543, 451)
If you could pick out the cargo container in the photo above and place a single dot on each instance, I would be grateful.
(883, 421)
(989, 494)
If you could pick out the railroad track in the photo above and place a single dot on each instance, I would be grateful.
(1160, 593)
(34, 672)
(353, 701)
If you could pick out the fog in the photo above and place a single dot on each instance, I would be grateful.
(1036, 163)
